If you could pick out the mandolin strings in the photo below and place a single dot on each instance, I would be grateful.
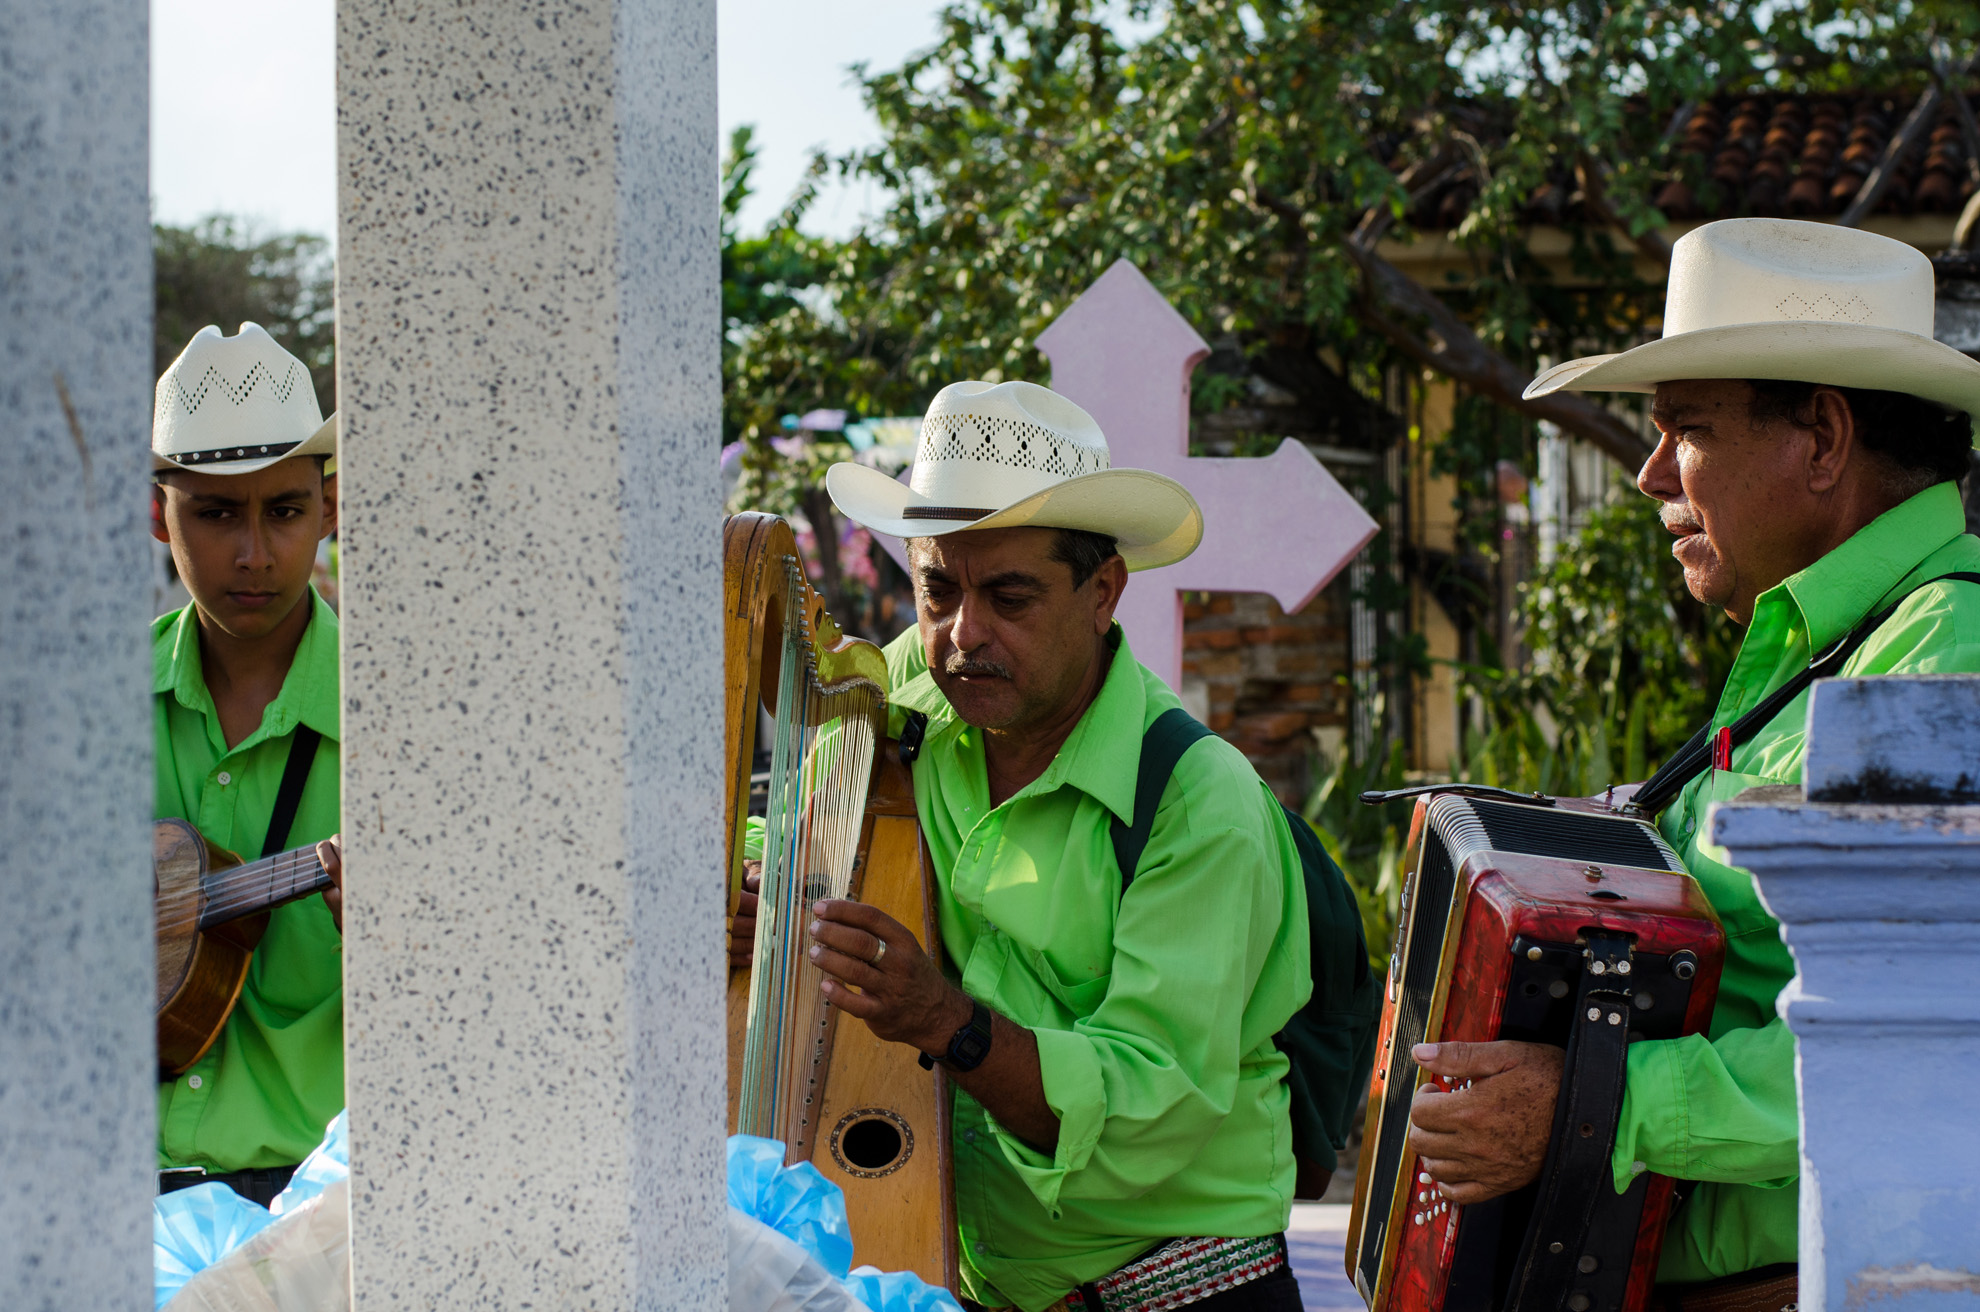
(243, 889)
(821, 756)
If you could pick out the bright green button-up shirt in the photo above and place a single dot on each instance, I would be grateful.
(1154, 1011)
(1721, 1107)
(262, 1095)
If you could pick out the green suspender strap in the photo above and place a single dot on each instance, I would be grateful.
(1331, 1041)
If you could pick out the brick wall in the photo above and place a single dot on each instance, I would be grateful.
(1276, 683)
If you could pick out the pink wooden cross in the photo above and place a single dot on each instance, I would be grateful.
(1280, 525)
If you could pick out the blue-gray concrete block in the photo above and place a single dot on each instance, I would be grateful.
(1880, 905)
(77, 1064)
(1898, 738)
(529, 375)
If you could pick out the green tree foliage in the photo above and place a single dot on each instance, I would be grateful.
(1627, 664)
(220, 271)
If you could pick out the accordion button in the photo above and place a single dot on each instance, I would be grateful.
(1594, 1013)
(1423, 1177)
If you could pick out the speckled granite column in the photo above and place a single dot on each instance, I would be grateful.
(528, 335)
(77, 1067)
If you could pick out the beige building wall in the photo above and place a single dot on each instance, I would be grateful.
(1434, 746)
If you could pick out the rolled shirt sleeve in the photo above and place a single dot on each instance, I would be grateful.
(1721, 1110)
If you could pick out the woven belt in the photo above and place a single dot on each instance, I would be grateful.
(1181, 1272)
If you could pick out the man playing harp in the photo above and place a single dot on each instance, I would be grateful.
(1120, 1124)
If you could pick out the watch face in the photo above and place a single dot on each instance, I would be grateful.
(973, 1047)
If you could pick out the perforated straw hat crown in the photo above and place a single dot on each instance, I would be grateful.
(1788, 299)
(1015, 455)
(232, 405)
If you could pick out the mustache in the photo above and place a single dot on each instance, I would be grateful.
(961, 667)
(1679, 518)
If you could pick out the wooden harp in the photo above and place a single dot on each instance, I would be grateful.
(839, 821)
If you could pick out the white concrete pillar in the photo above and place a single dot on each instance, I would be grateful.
(77, 1070)
(528, 316)
(1876, 882)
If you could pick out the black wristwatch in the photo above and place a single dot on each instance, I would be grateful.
(970, 1045)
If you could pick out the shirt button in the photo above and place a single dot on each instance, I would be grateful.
(969, 1136)
(224, 778)
(193, 1081)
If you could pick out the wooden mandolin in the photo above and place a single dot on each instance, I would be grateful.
(212, 910)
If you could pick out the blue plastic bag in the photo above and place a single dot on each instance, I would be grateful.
(191, 1229)
(329, 1163)
(899, 1291)
(795, 1201)
(806, 1208)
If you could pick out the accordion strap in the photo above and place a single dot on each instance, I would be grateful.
(1690, 760)
(1577, 1172)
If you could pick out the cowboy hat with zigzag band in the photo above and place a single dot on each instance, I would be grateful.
(1017, 455)
(232, 405)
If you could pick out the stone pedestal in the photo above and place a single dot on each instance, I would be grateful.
(77, 1074)
(529, 374)
(1880, 902)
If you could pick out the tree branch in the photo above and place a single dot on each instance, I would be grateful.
(1416, 181)
(1442, 341)
(1923, 115)
(1653, 244)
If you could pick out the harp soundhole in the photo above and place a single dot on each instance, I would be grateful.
(872, 1142)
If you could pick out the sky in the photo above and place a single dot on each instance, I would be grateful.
(243, 102)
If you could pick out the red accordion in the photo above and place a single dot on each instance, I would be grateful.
(1551, 921)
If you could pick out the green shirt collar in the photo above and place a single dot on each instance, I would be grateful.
(307, 696)
(1837, 591)
(1099, 757)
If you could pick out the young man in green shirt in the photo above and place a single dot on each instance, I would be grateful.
(245, 676)
(1121, 1123)
(1800, 507)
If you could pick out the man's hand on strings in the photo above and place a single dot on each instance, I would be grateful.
(742, 925)
(901, 994)
(330, 854)
(1485, 1133)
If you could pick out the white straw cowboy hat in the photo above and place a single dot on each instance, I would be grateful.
(1791, 300)
(1016, 455)
(232, 405)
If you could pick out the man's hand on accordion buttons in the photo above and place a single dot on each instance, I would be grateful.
(1481, 1129)
(742, 925)
(901, 995)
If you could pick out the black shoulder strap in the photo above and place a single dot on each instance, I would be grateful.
(302, 754)
(1690, 760)
(912, 732)
(1162, 746)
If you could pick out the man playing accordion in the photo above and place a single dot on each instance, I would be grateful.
(1811, 435)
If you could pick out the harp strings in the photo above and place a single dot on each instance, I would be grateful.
(821, 756)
